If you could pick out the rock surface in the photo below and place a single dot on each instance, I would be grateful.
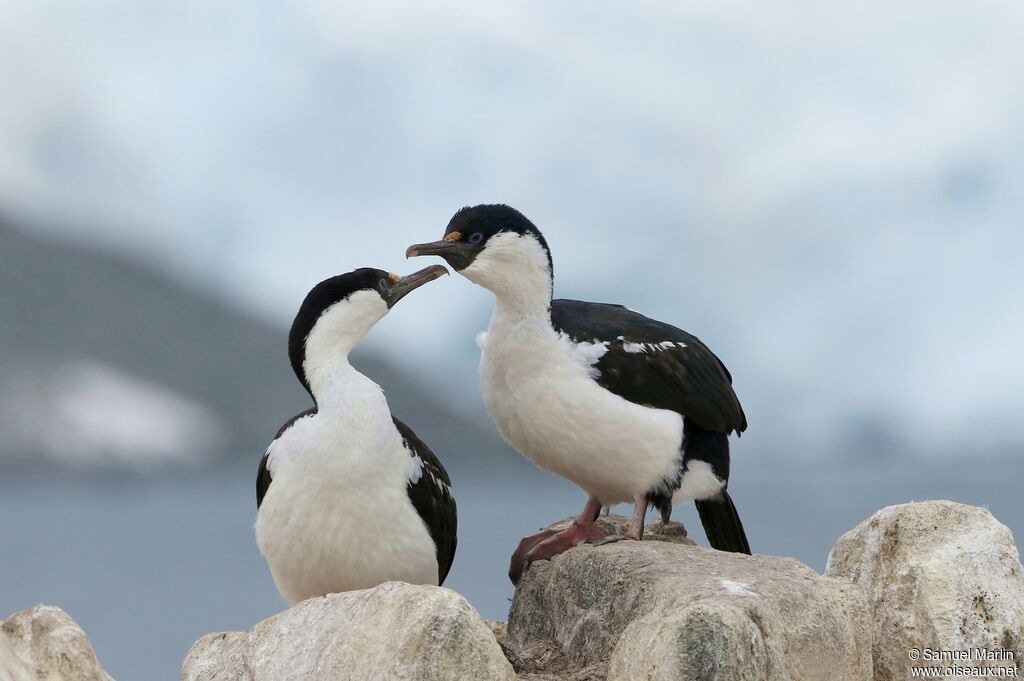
(653, 531)
(668, 610)
(45, 644)
(933, 575)
(393, 631)
(939, 575)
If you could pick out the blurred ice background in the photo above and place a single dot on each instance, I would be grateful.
(831, 195)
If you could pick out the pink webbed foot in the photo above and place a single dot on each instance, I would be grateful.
(548, 544)
(518, 562)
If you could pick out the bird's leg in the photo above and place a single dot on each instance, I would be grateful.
(549, 543)
(636, 524)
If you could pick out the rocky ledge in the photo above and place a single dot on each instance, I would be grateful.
(669, 610)
(393, 631)
(937, 580)
(939, 576)
(933, 576)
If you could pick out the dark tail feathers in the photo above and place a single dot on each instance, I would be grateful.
(722, 524)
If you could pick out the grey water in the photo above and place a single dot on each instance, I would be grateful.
(148, 564)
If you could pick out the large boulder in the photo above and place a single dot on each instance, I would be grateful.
(45, 644)
(940, 576)
(393, 631)
(669, 610)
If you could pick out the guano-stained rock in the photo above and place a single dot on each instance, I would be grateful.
(939, 575)
(662, 610)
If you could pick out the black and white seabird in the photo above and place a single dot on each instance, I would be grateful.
(629, 408)
(347, 496)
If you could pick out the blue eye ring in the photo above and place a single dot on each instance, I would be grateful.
(383, 284)
(476, 237)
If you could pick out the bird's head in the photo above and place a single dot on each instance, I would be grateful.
(338, 312)
(496, 247)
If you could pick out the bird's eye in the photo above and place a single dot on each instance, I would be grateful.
(383, 285)
(476, 237)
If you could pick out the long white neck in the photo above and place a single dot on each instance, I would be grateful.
(336, 386)
(517, 270)
(341, 392)
(524, 307)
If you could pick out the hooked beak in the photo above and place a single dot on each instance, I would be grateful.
(411, 282)
(458, 254)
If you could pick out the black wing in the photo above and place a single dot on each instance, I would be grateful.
(654, 364)
(431, 495)
(263, 478)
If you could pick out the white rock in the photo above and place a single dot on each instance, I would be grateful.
(939, 575)
(393, 631)
(45, 644)
(670, 611)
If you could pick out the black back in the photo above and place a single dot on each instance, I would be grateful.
(676, 371)
(263, 480)
(689, 380)
(432, 498)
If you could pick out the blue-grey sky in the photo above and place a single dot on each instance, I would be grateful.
(830, 194)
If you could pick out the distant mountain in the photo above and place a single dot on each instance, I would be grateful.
(107, 363)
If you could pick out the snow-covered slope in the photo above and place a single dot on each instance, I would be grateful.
(829, 193)
(84, 413)
(107, 364)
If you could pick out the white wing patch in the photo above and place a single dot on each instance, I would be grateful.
(438, 482)
(649, 348)
(587, 353)
(416, 469)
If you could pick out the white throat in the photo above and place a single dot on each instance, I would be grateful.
(516, 269)
(333, 381)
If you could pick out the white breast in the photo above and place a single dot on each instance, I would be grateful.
(337, 515)
(539, 388)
